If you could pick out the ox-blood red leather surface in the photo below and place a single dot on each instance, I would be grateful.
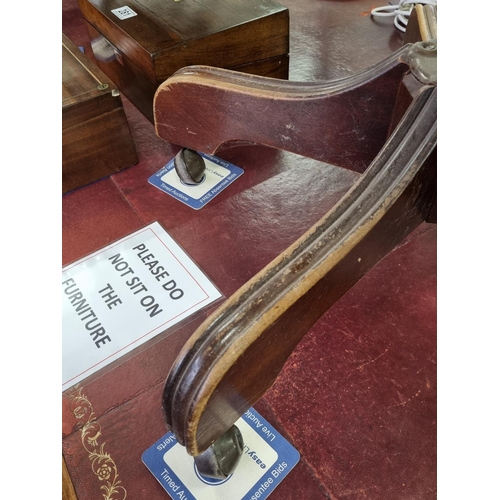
(358, 396)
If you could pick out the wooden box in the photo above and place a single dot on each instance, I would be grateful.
(141, 44)
(96, 139)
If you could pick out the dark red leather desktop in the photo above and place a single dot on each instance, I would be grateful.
(358, 396)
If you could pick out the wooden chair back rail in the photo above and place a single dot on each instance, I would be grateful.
(237, 353)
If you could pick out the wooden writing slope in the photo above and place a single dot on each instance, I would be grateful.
(96, 139)
(141, 47)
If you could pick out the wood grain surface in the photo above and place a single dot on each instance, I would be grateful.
(344, 122)
(96, 139)
(140, 52)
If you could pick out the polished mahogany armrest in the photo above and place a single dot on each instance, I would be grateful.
(381, 122)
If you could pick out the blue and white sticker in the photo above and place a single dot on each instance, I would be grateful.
(219, 174)
(267, 459)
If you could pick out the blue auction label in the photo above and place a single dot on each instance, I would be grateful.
(218, 175)
(267, 459)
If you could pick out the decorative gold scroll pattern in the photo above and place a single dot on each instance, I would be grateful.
(103, 466)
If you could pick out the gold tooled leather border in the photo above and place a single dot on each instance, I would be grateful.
(103, 466)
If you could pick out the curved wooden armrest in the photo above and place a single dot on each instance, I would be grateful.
(343, 122)
(237, 353)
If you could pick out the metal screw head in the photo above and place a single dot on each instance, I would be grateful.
(428, 45)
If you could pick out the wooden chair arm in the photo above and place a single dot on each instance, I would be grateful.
(237, 353)
(344, 122)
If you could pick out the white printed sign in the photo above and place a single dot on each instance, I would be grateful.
(119, 297)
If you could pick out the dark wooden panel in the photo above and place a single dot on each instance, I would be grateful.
(95, 149)
(96, 139)
(141, 52)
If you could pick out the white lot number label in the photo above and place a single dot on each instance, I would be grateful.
(124, 12)
(123, 295)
